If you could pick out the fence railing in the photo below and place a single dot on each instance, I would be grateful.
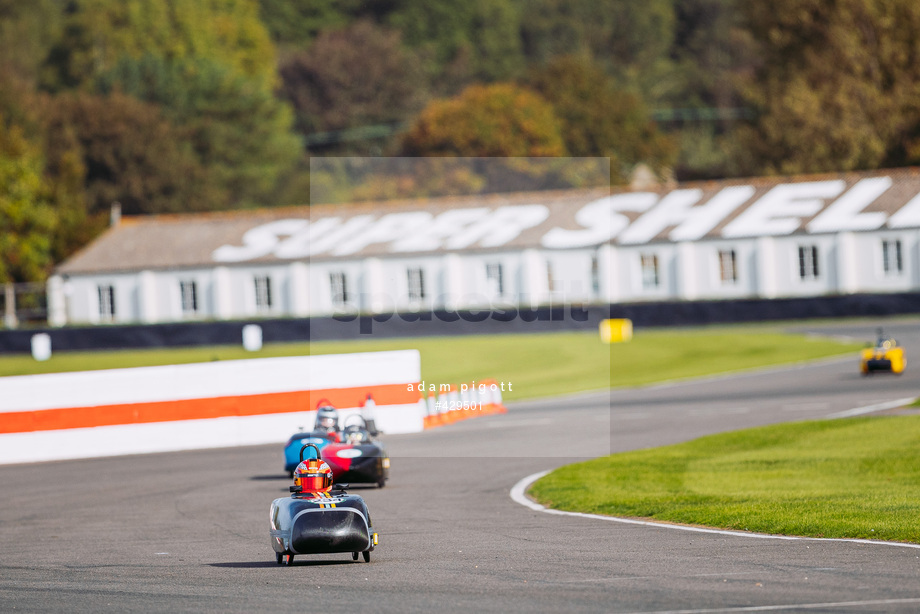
(23, 303)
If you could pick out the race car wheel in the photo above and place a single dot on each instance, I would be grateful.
(381, 483)
(354, 556)
(279, 557)
(367, 556)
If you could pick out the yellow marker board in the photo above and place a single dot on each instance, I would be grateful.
(616, 330)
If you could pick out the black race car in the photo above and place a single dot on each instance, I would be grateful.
(358, 458)
(320, 520)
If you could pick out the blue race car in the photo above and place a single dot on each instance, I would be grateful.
(354, 455)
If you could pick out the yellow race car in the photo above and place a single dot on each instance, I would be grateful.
(887, 355)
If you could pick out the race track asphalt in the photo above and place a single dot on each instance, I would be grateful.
(188, 532)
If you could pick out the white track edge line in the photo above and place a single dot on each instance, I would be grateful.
(868, 409)
(793, 606)
(519, 490)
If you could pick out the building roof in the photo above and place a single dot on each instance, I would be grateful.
(544, 220)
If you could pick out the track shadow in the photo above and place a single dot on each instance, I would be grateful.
(246, 565)
(873, 375)
(297, 562)
(274, 476)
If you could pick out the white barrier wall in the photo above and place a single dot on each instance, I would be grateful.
(204, 405)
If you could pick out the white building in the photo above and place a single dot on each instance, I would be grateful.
(760, 238)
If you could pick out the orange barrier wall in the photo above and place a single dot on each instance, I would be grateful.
(219, 404)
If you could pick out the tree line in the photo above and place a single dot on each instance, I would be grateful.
(200, 105)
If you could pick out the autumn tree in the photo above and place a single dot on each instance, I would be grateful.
(598, 119)
(210, 66)
(97, 34)
(132, 154)
(27, 217)
(24, 123)
(678, 58)
(357, 76)
(495, 120)
(28, 30)
(837, 84)
(463, 42)
(239, 132)
(632, 41)
(706, 110)
(295, 24)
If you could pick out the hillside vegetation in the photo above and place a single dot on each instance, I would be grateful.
(200, 105)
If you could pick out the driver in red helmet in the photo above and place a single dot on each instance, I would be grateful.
(312, 476)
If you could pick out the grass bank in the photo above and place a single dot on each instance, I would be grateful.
(855, 478)
(535, 365)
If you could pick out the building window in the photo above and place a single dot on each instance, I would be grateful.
(263, 292)
(494, 279)
(650, 278)
(595, 276)
(416, 285)
(188, 291)
(339, 285)
(106, 303)
(728, 266)
(550, 277)
(892, 260)
(808, 262)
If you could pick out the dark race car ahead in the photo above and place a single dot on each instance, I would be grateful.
(359, 458)
(353, 454)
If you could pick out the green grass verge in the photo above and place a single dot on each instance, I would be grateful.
(855, 478)
(535, 365)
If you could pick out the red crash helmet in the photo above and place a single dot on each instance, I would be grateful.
(313, 475)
